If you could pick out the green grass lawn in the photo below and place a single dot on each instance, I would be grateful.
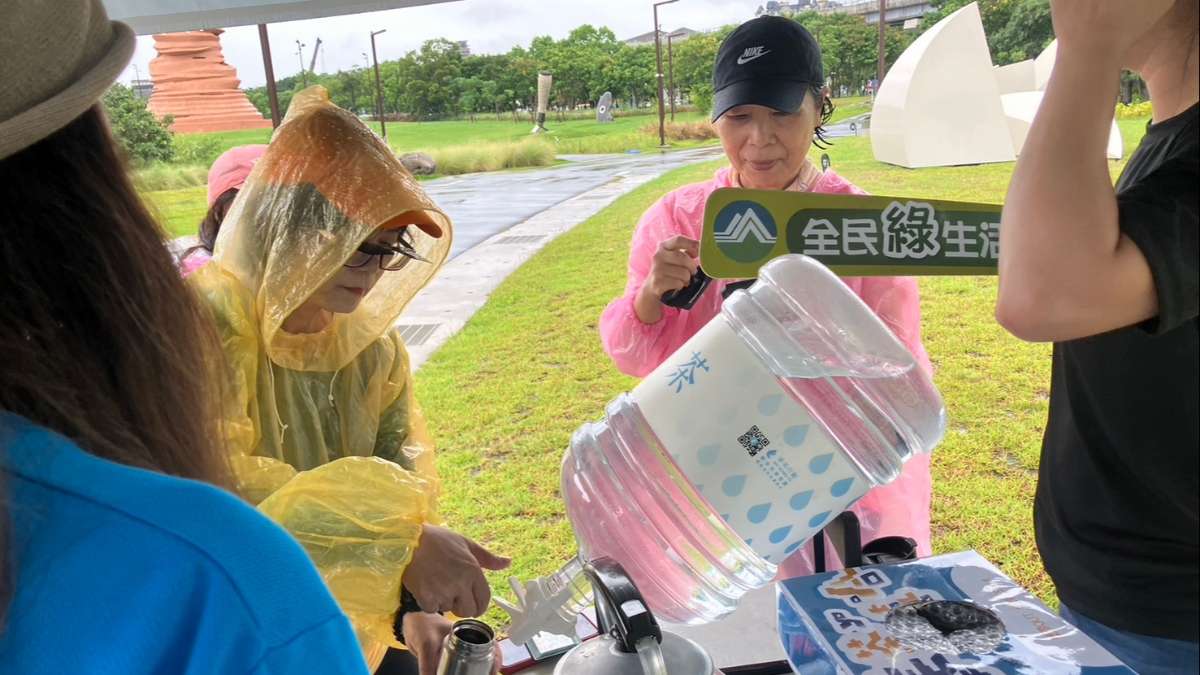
(850, 107)
(414, 136)
(574, 135)
(178, 211)
(852, 158)
(505, 394)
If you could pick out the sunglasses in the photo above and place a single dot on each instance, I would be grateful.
(390, 258)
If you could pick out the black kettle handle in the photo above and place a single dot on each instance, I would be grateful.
(620, 609)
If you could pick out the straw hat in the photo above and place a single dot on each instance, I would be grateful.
(56, 60)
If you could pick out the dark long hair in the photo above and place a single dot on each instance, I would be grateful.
(100, 340)
(825, 114)
(210, 227)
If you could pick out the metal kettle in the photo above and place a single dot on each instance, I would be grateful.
(630, 642)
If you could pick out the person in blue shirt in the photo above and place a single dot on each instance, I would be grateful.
(120, 553)
(127, 571)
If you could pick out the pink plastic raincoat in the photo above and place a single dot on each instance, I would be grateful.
(900, 508)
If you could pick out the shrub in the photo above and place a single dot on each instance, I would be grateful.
(493, 156)
(684, 131)
(702, 97)
(142, 136)
(1134, 111)
(197, 149)
(160, 176)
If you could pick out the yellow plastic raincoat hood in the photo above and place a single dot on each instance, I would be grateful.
(325, 433)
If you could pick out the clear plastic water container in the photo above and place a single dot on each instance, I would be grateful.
(778, 415)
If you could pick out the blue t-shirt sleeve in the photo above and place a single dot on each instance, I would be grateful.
(321, 649)
(130, 572)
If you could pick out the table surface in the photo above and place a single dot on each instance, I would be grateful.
(749, 636)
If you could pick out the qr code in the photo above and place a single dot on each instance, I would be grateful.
(754, 441)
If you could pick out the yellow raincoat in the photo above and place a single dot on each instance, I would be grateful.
(325, 433)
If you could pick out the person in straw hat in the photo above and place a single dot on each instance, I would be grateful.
(326, 242)
(119, 552)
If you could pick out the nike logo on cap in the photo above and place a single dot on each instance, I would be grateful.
(752, 53)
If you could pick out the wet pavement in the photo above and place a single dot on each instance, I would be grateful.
(484, 204)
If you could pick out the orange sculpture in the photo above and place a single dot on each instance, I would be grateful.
(193, 83)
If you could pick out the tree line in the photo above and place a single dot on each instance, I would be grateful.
(438, 81)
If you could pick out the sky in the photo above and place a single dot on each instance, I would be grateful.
(489, 27)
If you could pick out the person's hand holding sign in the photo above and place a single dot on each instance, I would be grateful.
(671, 269)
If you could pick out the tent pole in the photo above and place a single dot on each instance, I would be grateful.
(272, 94)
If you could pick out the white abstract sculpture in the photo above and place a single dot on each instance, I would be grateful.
(1028, 81)
(1016, 77)
(939, 104)
(944, 104)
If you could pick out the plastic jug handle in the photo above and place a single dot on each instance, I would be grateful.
(620, 609)
(736, 286)
(846, 536)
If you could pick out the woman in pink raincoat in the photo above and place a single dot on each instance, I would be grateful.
(769, 105)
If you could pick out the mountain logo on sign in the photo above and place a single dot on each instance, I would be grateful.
(743, 226)
(744, 231)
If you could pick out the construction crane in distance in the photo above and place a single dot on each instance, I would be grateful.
(316, 50)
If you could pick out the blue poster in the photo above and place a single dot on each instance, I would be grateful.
(863, 621)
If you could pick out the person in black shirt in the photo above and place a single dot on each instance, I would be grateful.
(1110, 276)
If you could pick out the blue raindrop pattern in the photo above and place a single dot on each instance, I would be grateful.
(786, 518)
(841, 487)
(733, 486)
(800, 500)
(820, 463)
(758, 513)
(795, 435)
(769, 405)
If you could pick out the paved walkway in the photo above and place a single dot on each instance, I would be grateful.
(483, 204)
(501, 220)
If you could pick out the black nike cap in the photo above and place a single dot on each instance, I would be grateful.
(770, 61)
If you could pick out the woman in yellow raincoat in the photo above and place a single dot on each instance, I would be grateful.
(325, 245)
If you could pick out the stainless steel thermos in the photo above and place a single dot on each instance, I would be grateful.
(469, 649)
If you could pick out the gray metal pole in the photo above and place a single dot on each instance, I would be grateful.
(378, 86)
(882, 44)
(671, 76)
(272, 92)
(662, 112)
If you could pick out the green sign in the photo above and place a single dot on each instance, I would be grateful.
(854, 235)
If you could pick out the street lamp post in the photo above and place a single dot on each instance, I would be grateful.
(671, 75)
(662, 134)
(378, 85)
(882, 57)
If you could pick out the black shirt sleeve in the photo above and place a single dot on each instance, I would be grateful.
(1161, 216)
